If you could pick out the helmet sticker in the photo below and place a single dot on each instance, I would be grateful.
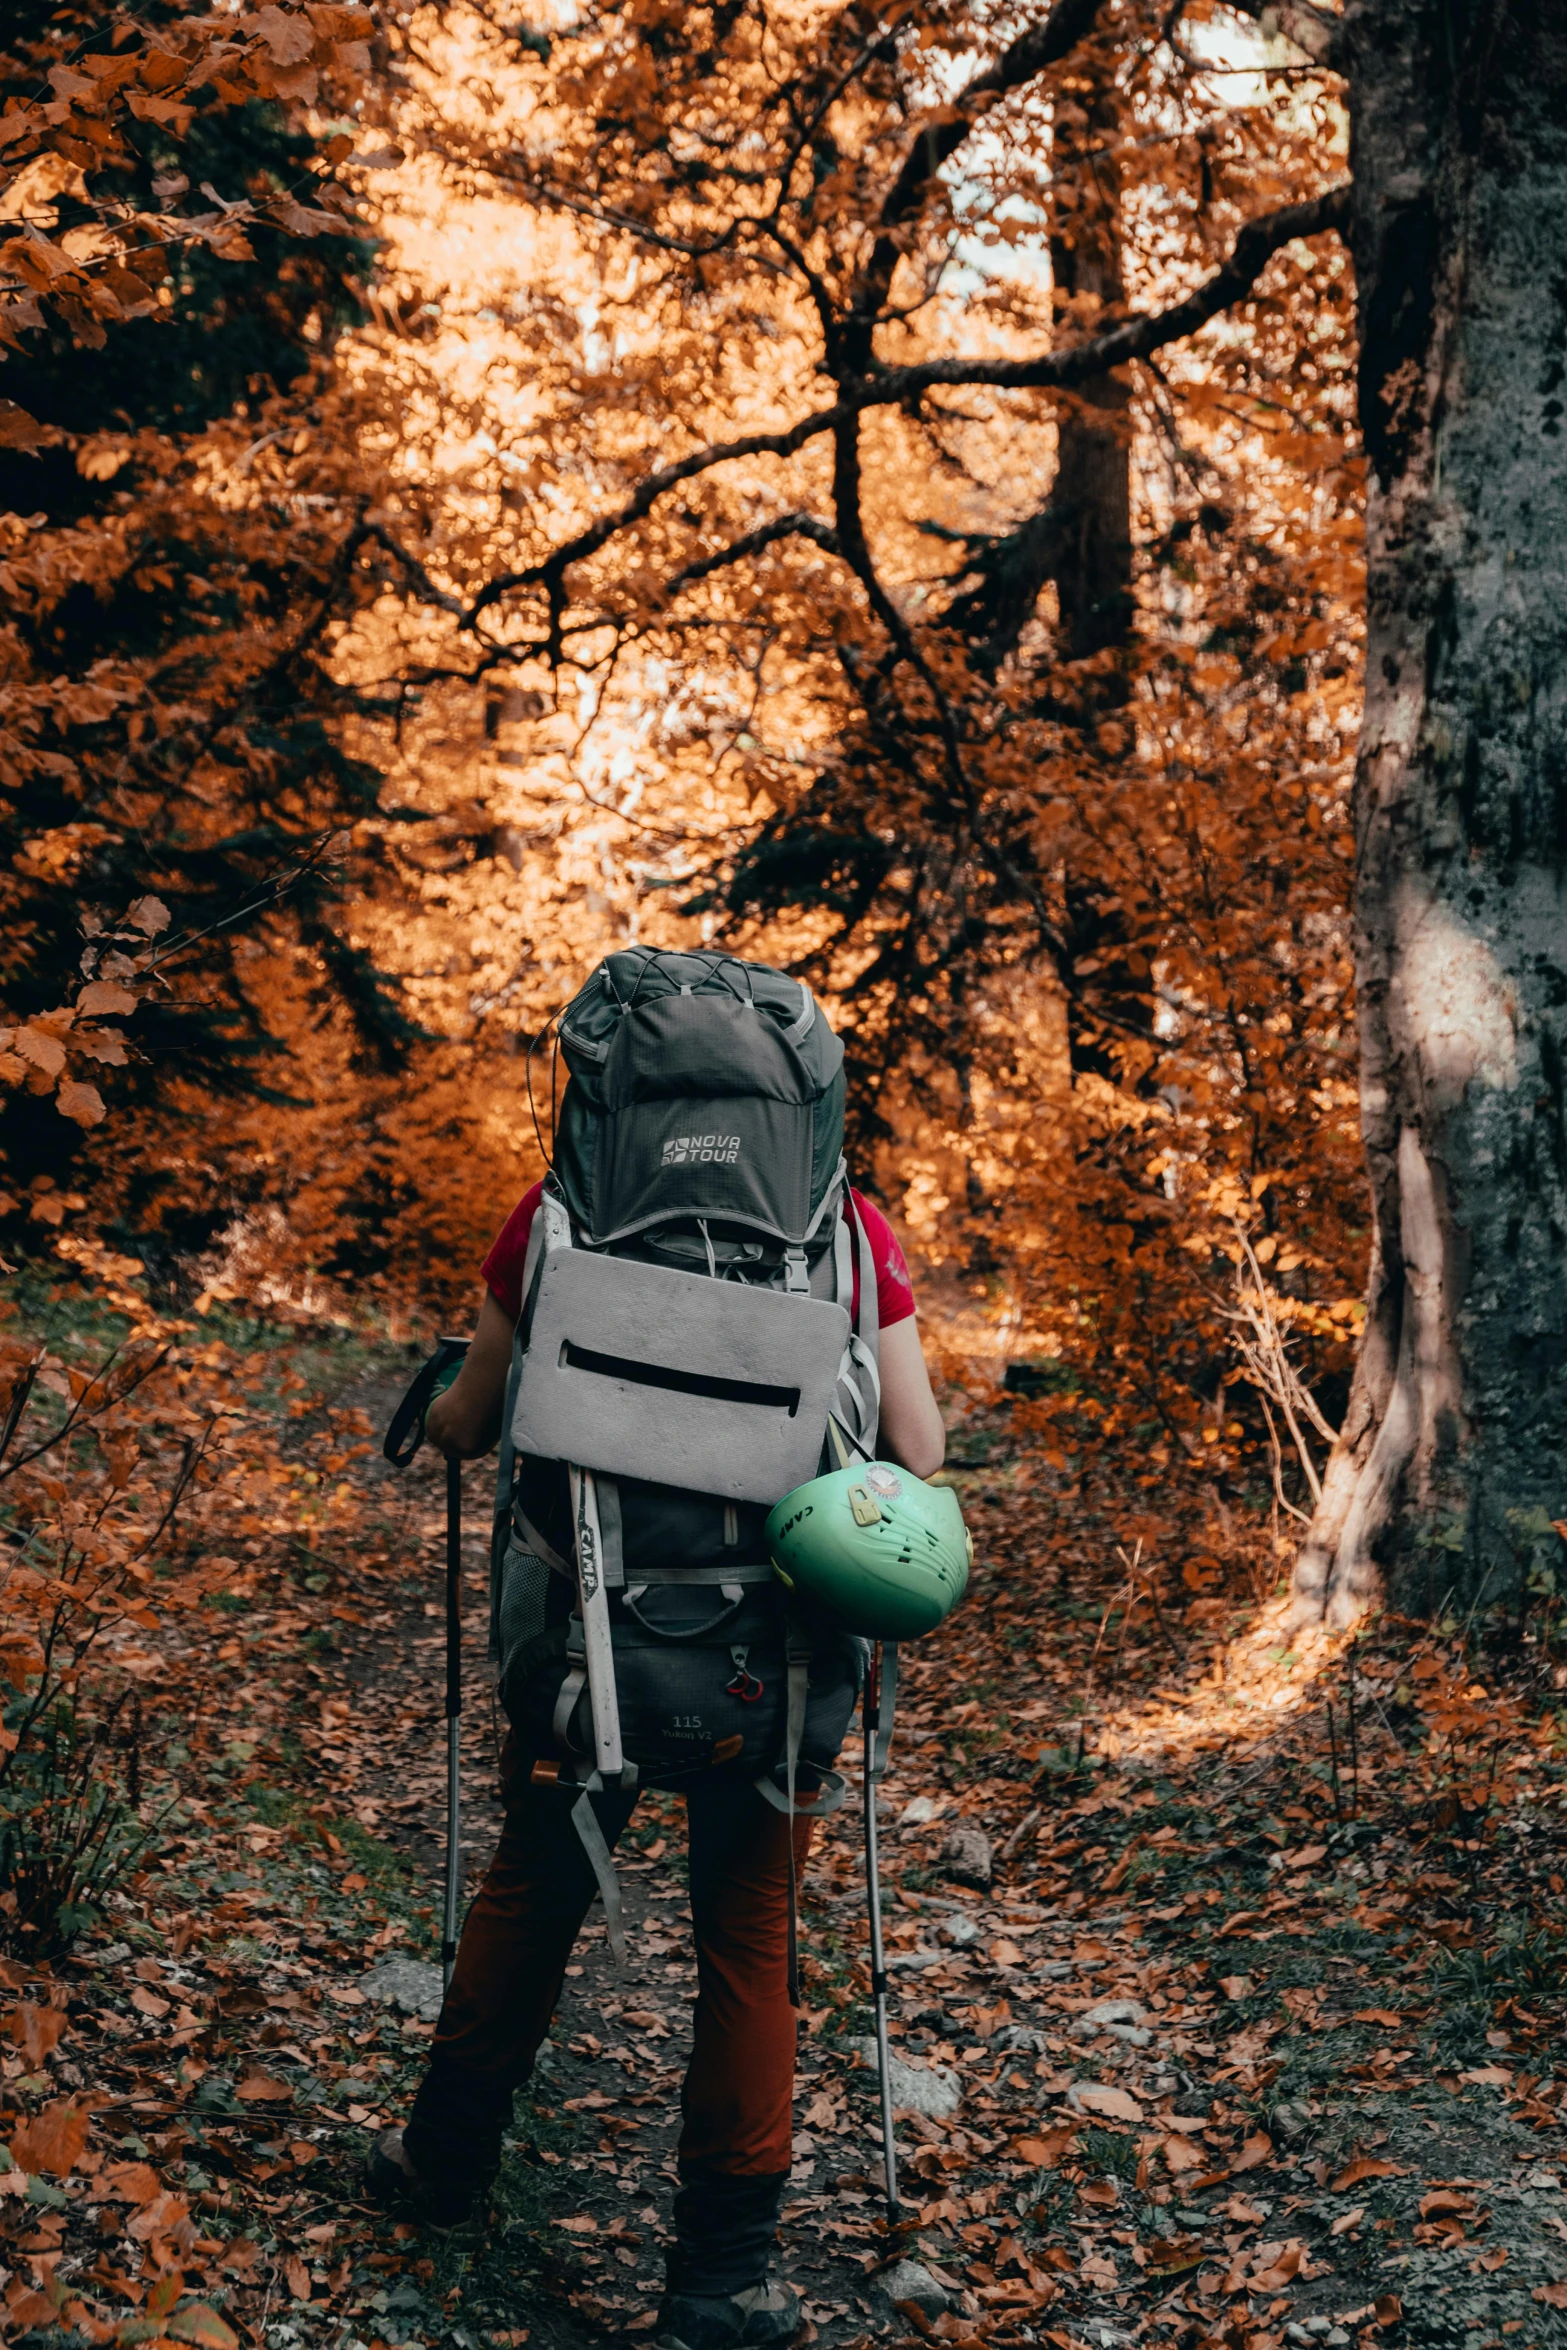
(883, 1481)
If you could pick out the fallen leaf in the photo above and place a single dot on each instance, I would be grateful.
(35, 2030)
(157, 2217)
(297, 2277)
(1256, 2151)
(583, 2225)
(1387, 2309)
(148, 2003)
(1172, 2255)
(198, 2322)
(1347, 2220)
(1489, 2076)
(1492, 2261)
(1235, 1986)
(262, 2089)
(1005, 1953)
(1364, 2166)
(1179, 2155)
(52, 2141)
(1268, 2280)
(1444, 2199)
(127, 2182)
(1380, 2015)
(1554, 2296)
(1243, 2213)
(1044, 2152)
(1099, 2097)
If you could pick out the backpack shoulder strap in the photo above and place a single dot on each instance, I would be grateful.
(551, 1228)
(867, 1322)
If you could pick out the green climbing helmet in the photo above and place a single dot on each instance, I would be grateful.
(881, 1550)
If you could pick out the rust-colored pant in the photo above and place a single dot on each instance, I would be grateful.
(737, 2102)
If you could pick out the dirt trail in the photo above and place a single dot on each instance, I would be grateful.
(1239, 2036)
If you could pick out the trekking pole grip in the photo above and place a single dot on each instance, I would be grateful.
(405, 1434)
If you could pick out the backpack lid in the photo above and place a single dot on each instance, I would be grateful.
(702, 1087)
(638, 978)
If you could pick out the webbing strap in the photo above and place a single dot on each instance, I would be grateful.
(843, 1265)
(867, 1322)
(565, 1706)
(794, 1739)
(501, 1523)
(612, 1556)
(886, 1708)
(540, 1544)
(585, 1820)
(802, 1022)
(846, 1449)
(830, 1204)
(755, 1571)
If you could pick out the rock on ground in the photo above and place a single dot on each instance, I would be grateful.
(966, 1855)
(411, 1984)
(906, 2281)
(926, 2089)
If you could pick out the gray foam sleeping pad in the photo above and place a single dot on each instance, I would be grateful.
(666, 1326)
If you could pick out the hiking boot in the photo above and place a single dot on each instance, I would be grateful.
(763, 2317)
(391, 2178)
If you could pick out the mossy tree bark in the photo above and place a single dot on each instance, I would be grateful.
(1453, 1457)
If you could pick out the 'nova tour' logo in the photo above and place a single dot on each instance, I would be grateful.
(702, 1150)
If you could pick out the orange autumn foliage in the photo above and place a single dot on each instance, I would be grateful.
(1081, 910)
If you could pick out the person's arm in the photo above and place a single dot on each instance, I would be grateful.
(911, 1426)
(466, 1420)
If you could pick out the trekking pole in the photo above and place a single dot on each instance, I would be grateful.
(879, 1983)
(453, 1718)
(403, 1439)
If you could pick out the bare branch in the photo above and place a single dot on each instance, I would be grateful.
(1140, 337)
(551, 571)
(415, 571)
(1044, 44)
(1136, 338)
(787, 526)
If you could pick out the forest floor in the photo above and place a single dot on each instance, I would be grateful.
(1240, 2024)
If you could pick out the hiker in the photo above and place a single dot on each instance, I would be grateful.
(723, 1690)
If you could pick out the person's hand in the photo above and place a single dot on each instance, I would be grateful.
(439, 1421)
(465, 1419)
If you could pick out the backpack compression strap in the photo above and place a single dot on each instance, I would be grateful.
(828, 1796)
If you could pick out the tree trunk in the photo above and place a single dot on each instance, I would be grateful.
(1091, 500)
(1453, 1457)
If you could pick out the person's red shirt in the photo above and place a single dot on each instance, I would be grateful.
(502, 1268)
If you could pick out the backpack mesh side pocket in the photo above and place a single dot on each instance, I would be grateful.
(530, 1622)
